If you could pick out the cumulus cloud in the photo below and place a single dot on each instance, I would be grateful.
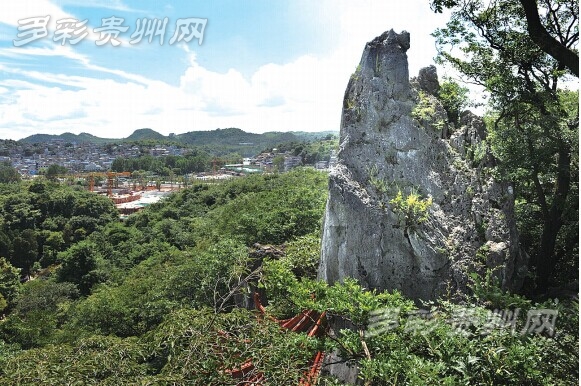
(306, 93)
(14, 14)
(117, 5)
(303, 94)
(31, 8)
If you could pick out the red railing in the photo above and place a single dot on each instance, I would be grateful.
(308, 321)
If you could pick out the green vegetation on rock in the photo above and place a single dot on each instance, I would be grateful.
(157, 299)
(411, 209)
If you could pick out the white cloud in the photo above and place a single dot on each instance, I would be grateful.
(65, 52)
(203, 100)
(54, 51)
(101, 106)
(24, 9)
(304, 94)
(356, 23)
(14, 12)
(117, 5)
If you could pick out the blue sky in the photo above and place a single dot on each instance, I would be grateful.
(262, 65)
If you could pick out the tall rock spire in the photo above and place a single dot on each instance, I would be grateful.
(407, 208)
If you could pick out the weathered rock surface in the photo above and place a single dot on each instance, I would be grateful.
(394, 138)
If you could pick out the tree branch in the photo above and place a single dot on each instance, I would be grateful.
(545, 41)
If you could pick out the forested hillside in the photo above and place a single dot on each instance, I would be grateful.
(214, 284)
(159, 299)
(218, 142)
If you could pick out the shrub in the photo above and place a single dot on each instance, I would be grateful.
(454, 98)
(425, 111)
(412, 210)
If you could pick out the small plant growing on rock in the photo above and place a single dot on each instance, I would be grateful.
(380, 185)
(355, 75)
(480, 152)
(412, 210)
(425, 111)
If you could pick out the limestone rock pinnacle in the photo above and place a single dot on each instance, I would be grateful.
(394, 141)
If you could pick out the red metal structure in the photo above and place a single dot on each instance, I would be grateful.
(308, 321)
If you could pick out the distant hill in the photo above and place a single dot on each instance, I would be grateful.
(233, 140)
(146, 135)
(67, 137)
(234, 137)
(216, 141)
(137, 135)
(313, 136)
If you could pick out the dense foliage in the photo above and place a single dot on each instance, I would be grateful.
(164, 297)
(195, 161)
(8, 174)
(40, 219)
(520, 53)
(158, 299)
(312, 151)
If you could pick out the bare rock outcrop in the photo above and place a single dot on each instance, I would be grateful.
(394, 143)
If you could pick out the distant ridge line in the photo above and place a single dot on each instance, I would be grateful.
(232, 136)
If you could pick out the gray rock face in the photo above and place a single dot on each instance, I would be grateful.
(391, 141)
(427, 80)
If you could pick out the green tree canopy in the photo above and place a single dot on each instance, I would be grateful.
(54, 171)
(9, 282)
(8, 174)
(535, 130)
(454, 97)
(550, 25)
(24, 250)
